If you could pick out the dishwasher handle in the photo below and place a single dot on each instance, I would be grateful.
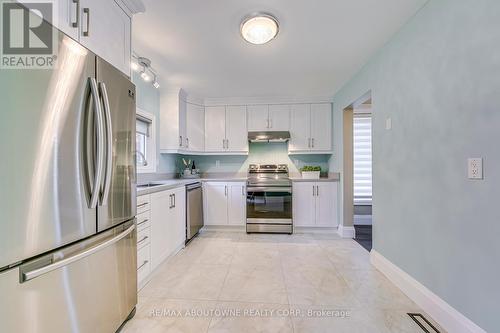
(191, 187)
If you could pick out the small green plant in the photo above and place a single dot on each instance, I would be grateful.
(310, 168)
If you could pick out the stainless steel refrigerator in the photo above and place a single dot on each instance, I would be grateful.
(67, 196)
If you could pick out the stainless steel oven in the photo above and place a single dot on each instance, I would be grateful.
(269, 200)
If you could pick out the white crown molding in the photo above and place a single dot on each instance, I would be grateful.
(133, 6)
(266, 100)
(443, 313)
(346, 232)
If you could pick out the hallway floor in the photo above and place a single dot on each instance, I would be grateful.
(234, 282)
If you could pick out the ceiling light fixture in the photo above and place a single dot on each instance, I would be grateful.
(259, 28)
(143, 66)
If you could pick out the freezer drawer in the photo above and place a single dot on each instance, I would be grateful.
(87, 287)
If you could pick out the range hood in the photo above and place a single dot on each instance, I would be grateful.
(269, 136)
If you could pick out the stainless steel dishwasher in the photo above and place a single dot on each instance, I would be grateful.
(194, 210)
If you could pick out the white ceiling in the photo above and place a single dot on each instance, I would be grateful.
(195, 44)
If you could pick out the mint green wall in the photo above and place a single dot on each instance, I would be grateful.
(258, 153)
(148, 99)
(439, 81)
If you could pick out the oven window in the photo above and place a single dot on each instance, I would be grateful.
(269, 205)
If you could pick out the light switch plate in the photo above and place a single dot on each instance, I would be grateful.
(475, 168)
(388, 123)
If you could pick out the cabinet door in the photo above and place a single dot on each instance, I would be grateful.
(279, 117)
(215, 128)
(215, 203)
(67, 18)
(237, 204)
(236, 129)
(303, 204)
(300, 127)
(326, 204)
(178, 219)
(321, 127)
(105, 30)
(161, 212)
(195, 123)
(183, 141)
(258, 118)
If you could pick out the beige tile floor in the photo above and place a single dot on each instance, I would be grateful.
(234, 282)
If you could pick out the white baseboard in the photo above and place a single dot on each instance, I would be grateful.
(443, 313)
(315, 230)
(224, 228)
(346, 232)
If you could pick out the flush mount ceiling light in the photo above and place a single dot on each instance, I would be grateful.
(259, 28)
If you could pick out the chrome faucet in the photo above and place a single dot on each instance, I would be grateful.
(141, 155)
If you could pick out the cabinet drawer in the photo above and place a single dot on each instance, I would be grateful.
(143, 204)
(143, 263)
(143, 220)
(143, 237)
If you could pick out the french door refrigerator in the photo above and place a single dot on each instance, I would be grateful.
(67, 196)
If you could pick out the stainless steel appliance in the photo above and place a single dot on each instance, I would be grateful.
(194, 210)
(269, 199)
(68, 196)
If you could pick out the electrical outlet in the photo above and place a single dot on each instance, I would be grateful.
(475, 168)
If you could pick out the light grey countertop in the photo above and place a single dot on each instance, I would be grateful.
(169, 184)
(172, 183)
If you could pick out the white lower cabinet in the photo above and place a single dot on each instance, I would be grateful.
(315, 204)
(168, 224)
(224, 203)
(143, 239)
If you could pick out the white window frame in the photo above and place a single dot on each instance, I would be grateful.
(151, 144)
(363, 200)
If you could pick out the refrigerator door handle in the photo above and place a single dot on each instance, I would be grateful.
(100, 144)
(109, 143)
(30, 275)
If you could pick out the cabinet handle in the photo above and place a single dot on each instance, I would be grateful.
(187, 142)
(317, 191)
(227, 143)
(225, 190)
(170, 204)
(77, 18)
(243, 190)
(143, 264)
(87, 11)
(142, 205)
(309, 142)
(140, 223)
(142, 240)
(314, 191)
(312, 140)
(180, 140)
(173, 195)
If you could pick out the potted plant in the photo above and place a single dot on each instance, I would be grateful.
(310, 172)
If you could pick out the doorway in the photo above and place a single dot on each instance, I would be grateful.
(358, 169)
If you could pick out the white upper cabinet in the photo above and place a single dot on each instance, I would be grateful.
(173, 116)
(195, 128)
(236, 129)
(258, 118)
(105, 29)
(321, 127)
(215, 128)
(279, 117)
(226, 129)
(268, 118)
(68, 17)
(311, 128)
(300, 127)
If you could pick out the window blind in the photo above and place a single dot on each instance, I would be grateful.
(362, 128)
(142, 125)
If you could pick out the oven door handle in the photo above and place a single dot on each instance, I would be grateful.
(269, 189)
